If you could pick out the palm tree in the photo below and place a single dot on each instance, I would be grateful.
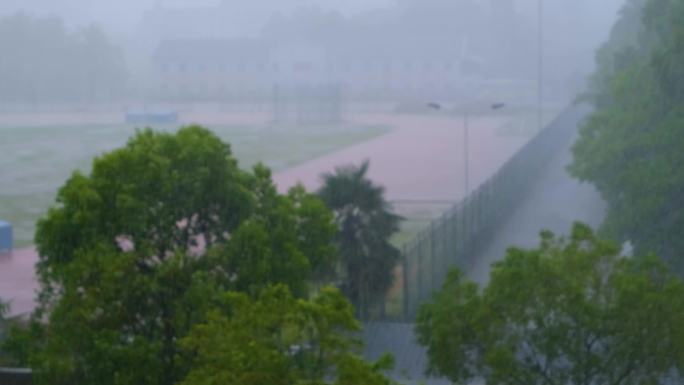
(365, 223)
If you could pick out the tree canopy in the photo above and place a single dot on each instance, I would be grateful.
(630, 147)
(365, 224)
(572, 311)
(3, 331)
(278, 339)
(137, 252)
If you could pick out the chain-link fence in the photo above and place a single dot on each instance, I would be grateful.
(452, 239)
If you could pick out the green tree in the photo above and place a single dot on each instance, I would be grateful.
(620, 51)
(15, 339)
(630, 147)
(569, 312)
(4, 308)
(139, 250)
(279, 339)
(365, 224)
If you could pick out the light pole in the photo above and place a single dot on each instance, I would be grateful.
(540, 61)
(466, 140)
(466, 148)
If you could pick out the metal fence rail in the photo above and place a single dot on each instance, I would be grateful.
(452, 239)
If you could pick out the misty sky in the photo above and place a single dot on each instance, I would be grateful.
(122, 18)
(122, 15)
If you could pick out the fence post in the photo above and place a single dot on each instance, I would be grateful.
(446, 265)
(419, 270)
(405, 292)
(459, 222)
(433, 258)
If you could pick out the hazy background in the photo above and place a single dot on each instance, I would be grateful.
(286, 82)
(390, 51)
(122, 16)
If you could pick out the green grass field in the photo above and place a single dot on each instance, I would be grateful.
(36, 161)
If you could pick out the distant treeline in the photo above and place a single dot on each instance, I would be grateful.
(631, 148)
(43, 61)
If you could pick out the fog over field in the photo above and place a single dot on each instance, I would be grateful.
(418, 48)
(123, 15)
(285, 64)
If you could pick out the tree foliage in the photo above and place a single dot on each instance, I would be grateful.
(630, 147)
(279, 339)
(138, 251)
(572, 311)
(4, 309)
(618, 52)
(365, 224)
(3, 332)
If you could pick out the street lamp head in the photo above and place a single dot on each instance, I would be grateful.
(435, 106)
(498, 106)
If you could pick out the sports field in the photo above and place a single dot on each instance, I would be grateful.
(36, 160)
(419, 159)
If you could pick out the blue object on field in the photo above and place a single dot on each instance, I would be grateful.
(5, 237)
(146, 117)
